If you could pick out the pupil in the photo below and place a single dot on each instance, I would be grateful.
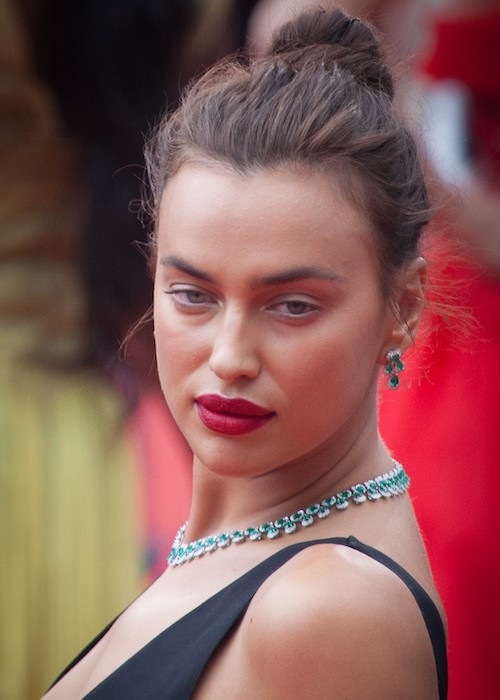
(297, 307)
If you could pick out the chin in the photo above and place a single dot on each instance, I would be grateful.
(229, 460)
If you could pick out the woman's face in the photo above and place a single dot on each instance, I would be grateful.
(267, 291)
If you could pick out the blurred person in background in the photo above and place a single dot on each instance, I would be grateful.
(457, 375)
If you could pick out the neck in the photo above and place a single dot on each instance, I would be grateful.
(225, 503)
(383, 486)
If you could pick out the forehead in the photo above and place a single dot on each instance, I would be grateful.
(284, 213)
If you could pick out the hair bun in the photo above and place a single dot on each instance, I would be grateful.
(346, 41)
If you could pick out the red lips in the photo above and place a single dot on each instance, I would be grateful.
(231, 416)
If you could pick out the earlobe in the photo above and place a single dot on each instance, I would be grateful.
(408, 307)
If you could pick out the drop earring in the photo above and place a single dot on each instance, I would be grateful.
(393, 367)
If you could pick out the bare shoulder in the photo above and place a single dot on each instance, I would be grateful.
(333, 618)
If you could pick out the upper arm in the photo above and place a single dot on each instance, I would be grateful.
(336, 624)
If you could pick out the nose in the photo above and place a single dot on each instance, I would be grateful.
(234, 352)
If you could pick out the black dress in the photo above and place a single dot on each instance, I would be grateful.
(170, 665)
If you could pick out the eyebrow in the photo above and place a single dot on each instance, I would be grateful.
(274, 279)
(184, 266)
(300, 273)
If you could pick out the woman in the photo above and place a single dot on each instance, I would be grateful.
(288, 203)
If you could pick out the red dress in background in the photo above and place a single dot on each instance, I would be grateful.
(164, 478)
(444, 421)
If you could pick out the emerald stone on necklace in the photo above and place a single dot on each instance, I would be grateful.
(393, 483)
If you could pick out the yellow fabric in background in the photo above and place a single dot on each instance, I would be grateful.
(68, 558)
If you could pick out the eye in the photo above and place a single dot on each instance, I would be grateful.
(294, 308)
(191, 299)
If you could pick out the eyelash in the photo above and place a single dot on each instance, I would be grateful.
(181, 299)
(311, 308)
(185, 303)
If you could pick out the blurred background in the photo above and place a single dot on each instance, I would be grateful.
(94, 476)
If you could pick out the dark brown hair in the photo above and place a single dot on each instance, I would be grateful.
(321, 98)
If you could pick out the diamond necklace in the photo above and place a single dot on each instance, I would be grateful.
(392, 483)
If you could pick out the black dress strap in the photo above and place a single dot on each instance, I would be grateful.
(430, 613)
(170, 665)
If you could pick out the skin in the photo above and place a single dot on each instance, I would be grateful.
(232, 317)
(244, 339)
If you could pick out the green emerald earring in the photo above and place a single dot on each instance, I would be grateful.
(393, 367)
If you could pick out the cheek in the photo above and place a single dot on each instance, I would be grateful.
(305, 375)
(338, 366)
(170, 348)
(180, 350)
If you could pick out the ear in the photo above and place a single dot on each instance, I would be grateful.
(408, 305)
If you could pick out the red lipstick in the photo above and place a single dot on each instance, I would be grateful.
(231, 416)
